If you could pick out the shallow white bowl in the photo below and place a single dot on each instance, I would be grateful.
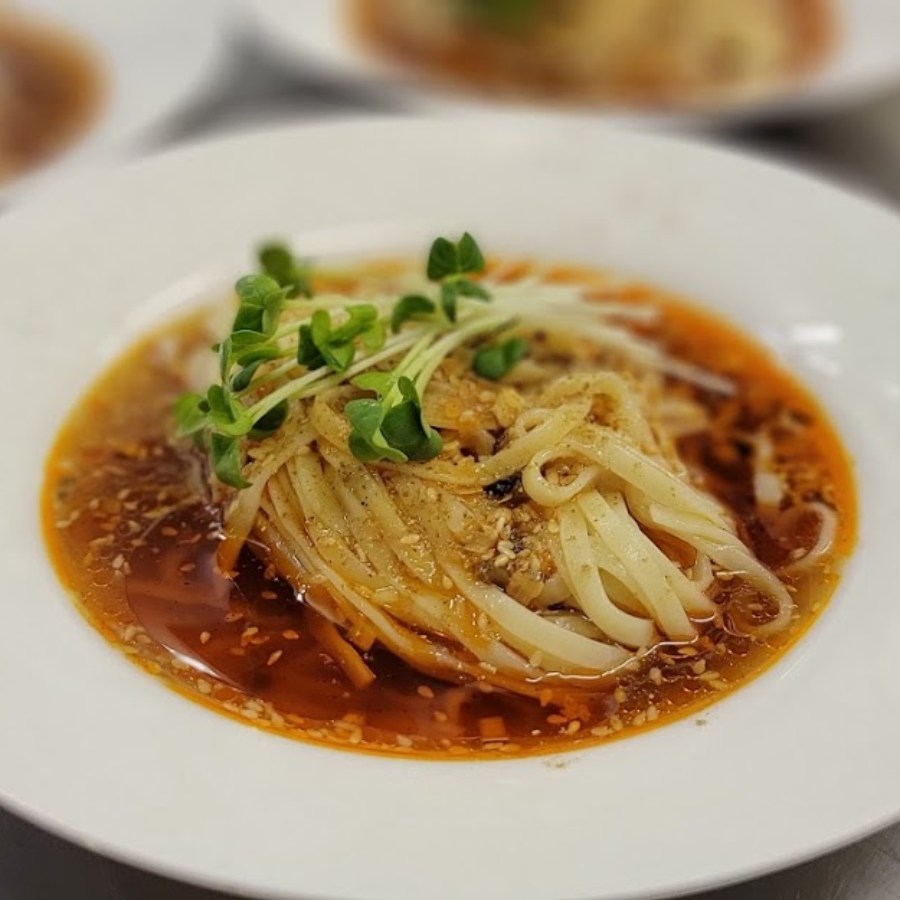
(315, 33)
(802, 760)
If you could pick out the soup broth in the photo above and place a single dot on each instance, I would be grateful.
(133, 530)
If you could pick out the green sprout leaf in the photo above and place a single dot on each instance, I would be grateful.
(279, 263)
(405, 429)
(226, 413)
(271, 421)
(449, 298)
(496, 360)
(307, 352)
(191, 414)
(470, 256)
(367, 443)
(412, 306)
(320, 344)
(226, 460)
(255, 290)
(443, 260)
(379, 382)
(241, 381)
(473, 289)
(447, 259)
(373, 338)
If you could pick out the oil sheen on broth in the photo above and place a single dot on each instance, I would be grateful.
(133, 532)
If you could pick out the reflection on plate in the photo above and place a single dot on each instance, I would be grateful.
(775, 253)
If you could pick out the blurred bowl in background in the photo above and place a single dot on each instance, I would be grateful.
(633, 61)
(81, 81)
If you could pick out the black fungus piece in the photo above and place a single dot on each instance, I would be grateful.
(503, 488)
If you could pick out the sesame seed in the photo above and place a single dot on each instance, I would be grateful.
(290, 635)
(424, 691)
(204, 686)
(204, 637)
(249, 632)
(710, 675)
(274, 657)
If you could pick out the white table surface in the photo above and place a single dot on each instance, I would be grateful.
(859, 146)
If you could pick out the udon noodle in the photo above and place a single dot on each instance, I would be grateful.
(577, 577)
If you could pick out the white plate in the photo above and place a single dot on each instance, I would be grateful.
(800, 761)
(156, 57)
(314, 32)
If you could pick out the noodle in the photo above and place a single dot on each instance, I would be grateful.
(611, 548)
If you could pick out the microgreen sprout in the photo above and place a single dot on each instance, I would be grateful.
(286, 344)
(496, 360)
(448, 265)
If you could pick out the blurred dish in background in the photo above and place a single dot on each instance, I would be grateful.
(50, 91)
(703, 62)
(80, 81)
(655, 52)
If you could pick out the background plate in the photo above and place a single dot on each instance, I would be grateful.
(157, 57)
(315, 33)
